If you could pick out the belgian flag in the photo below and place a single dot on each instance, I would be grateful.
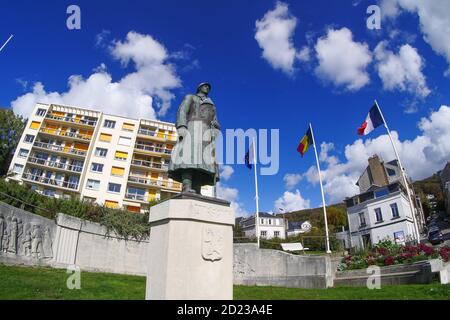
(305, 143)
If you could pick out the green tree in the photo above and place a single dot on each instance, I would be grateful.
(11, 128)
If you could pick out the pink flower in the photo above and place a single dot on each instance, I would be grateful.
(389, 261)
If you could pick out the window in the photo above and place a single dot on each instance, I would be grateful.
(109, 124)
(117, 171)
(49, 192)
(362, 219)
(391, 172)
(105, 137)
(35, 125)
(93, 184)
(378, 214)
(29, 138)
(40, 112)
(114, 187)
(135, 193)
(17, 168)
(111, 204)
(96, 167)
(261, 221)
(23, 153)
(276, 234)
(125, 141)
(270, 221)
(89, 199)
(394, 209)
(120, 155)
(101, 152)
(128, 126)
(263, 234)
(381, 192)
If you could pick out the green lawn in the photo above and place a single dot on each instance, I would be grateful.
(46, 283)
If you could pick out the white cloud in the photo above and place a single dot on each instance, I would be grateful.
(434, 20)
(291, 201)
(343, 61)
(304, 54)
(291, 180)
(274, 34)
(145, 92)
(422, 156)
(231, 195)
(325, 149)
(402, 71)
(226, 172)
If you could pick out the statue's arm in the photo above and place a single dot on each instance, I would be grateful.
(183, 111)
(215, 123)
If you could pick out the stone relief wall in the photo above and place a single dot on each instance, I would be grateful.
(25, 235)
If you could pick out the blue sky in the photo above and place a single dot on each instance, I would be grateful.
(282, 74)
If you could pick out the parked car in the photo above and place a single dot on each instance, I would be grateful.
(435, 236)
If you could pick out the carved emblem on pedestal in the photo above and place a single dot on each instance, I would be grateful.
(212, 243)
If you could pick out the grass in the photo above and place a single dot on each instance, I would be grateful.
(25, 283)
(28, 283)
(433, 291)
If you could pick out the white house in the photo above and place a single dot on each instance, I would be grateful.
(296, 228)
(269, 226)
(378, 214)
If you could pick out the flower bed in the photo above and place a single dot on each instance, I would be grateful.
(386, 253)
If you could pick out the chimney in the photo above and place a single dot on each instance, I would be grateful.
(377, 172)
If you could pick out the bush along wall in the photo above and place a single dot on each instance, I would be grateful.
(124, 223)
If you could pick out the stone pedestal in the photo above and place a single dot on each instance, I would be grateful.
(190, 250)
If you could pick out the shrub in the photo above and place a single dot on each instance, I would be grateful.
(386, 253)
(123, 223)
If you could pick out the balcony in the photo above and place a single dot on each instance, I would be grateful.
(68, 134)
(150, 165)
(60, 149)
(135, 196)
(90, 123)
(56, 165)
(153, 149)
(52, 182)
(157, 135)
(155, 183)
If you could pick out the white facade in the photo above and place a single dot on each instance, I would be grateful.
(269, 227)
(385, 217)
(111, 160)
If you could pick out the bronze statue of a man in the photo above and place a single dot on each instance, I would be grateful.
(193, 160)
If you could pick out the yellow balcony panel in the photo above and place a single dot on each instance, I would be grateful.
(35, 125)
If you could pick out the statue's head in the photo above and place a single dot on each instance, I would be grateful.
(204, 87)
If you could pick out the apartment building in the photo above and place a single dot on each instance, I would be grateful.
(107, 159)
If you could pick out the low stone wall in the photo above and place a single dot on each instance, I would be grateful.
(29, 239)
(25, 238)
(89, 246)
(264, 267)
(414, 273)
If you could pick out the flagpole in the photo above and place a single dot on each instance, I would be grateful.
(402, 170)
(10, 37)
(321, 190)
(255, 160)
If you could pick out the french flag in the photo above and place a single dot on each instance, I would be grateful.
(373, 120)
